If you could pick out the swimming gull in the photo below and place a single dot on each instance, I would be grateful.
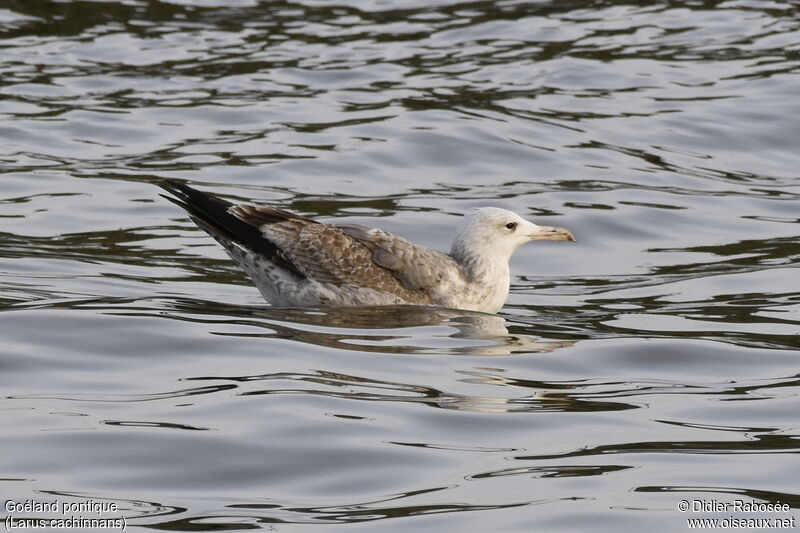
(297, 261)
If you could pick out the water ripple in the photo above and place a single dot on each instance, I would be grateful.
(654, 360)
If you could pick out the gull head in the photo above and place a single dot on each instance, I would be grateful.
(495, 232)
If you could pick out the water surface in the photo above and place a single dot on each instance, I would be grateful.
(653, 361)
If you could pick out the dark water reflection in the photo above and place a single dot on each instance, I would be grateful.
(655, 360)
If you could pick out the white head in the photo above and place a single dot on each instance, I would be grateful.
(495, 233)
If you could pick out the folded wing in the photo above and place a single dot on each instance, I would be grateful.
(340, 255)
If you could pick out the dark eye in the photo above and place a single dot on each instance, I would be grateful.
(511, 225)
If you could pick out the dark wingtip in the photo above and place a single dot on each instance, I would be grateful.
(171, 186)
(212, 214)
(188, 195)
(174, 201)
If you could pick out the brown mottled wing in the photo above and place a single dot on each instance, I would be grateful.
(416, 267)
(327, 253)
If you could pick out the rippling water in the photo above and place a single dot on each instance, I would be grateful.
(654, 361)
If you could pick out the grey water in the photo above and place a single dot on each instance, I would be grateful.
(653, 364)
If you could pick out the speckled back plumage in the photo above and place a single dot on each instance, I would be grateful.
(333, 255)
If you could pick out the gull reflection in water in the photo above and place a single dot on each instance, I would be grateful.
(392, 329)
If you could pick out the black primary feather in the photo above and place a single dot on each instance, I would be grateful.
(212, 212)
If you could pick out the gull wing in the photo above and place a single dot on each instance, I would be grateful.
(339, 255)
(329, 254)
(415, 267)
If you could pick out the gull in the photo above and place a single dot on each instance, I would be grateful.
(296, 261)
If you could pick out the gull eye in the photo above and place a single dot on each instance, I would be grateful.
(511, 226)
